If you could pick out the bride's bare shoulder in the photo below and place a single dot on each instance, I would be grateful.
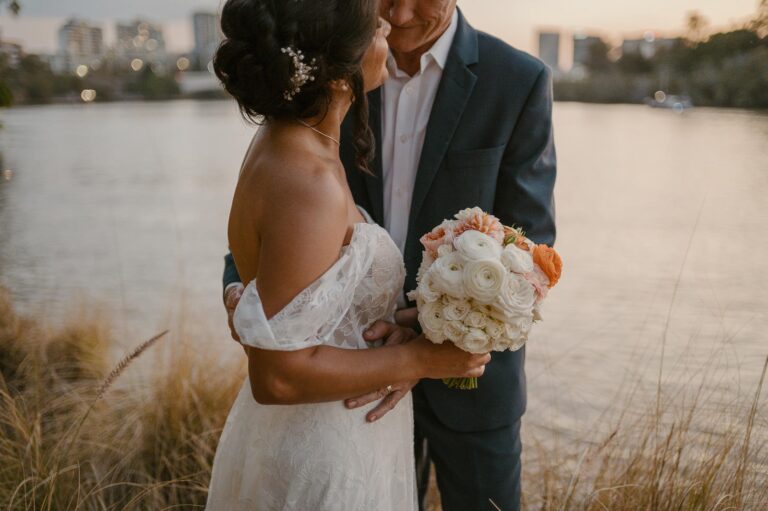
(283, 186)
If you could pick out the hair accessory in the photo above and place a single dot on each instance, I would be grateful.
(302, 72)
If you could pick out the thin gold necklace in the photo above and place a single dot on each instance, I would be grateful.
(318, 131)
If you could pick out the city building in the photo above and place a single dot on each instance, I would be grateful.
(207, 37)
(582, 49)
(647, 46)
(140, 41)
(80, 43)
(549, 49)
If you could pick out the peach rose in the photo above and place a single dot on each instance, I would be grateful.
(539, 281)
(549, 261)
(440, 235)
(476, 219)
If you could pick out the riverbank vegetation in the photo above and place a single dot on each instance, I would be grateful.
(145, 439)
(725, 69)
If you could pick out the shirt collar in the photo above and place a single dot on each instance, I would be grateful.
(437, 53)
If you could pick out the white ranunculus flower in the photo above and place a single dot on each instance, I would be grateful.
(475, 341)
(517, 296)
(476, 319)
(432, 321)
(444, 250)
(455, 331)
(465, 214)
(456, 309)
(494, 329)
(537, 313)
(426, 289)
(505, 344)
(426, 262)
(447, 274)
(484, 280)
(517, 328)
(517, 260)
(476, 246)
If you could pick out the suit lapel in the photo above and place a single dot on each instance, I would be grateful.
(375, 184)
(455, 88)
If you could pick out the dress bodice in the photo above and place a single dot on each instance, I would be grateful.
(319, 456)
(359, 288)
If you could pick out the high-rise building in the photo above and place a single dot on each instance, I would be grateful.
(207, 37)
(549, 49)
(647, 46)
(79, 44)
(582, 49)
(142, 40)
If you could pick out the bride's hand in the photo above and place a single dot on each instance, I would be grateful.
(392, 334)
(231, 298)
(439, 361)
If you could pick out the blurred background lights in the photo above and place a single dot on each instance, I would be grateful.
(7, 174)
(137, 64)
(182, 64)
(88, 95)
(81, 70)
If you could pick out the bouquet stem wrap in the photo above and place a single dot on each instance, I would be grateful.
(461, 383)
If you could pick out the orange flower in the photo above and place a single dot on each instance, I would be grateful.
(440, 235)
(476, 219)
(549, 261)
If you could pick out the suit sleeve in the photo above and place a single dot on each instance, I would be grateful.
(230, 271)
(525, 188)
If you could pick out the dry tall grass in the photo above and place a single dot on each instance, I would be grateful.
(149, 444)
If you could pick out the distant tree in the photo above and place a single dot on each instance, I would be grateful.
(13, 5)
(634, 63)
(696, 24)
(6, 96)
(597, 59)
(760, 23)
(35, 79)
(724, 45)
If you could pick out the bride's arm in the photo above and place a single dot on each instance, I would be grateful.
(298, 245)
(325, 373)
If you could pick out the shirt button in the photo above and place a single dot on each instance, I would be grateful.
(403, 138)
(409, 90)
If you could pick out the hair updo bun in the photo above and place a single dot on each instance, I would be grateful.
(333, 35)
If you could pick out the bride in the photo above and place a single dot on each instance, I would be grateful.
(319, 272)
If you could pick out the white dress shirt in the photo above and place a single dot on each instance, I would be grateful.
(406, 107)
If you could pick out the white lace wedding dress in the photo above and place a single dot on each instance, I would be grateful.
(319, 457)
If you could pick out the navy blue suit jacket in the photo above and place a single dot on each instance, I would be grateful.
(489, 143)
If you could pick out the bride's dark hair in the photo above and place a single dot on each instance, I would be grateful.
(253, 68)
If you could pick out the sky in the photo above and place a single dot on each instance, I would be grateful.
(516, 21)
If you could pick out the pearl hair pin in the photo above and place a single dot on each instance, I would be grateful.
(302, 72)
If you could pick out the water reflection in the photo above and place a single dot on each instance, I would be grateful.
(662, 220)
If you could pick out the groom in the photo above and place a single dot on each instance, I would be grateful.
(464, 120)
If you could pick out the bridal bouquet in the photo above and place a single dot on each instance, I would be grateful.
(481, 284)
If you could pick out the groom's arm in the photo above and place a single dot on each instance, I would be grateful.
(233, 290)
(231, 276)
(525, 188)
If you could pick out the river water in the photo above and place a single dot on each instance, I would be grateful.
(662, 217)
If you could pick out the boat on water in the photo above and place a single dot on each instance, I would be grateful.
(669, 101)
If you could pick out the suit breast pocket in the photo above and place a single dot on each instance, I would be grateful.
(475, 158)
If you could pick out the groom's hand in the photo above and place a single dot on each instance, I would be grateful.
(392, 334)
(232, 296)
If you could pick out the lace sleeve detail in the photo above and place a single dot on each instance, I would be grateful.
(313, 315)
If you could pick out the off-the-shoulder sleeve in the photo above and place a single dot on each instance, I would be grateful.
(310, 318)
